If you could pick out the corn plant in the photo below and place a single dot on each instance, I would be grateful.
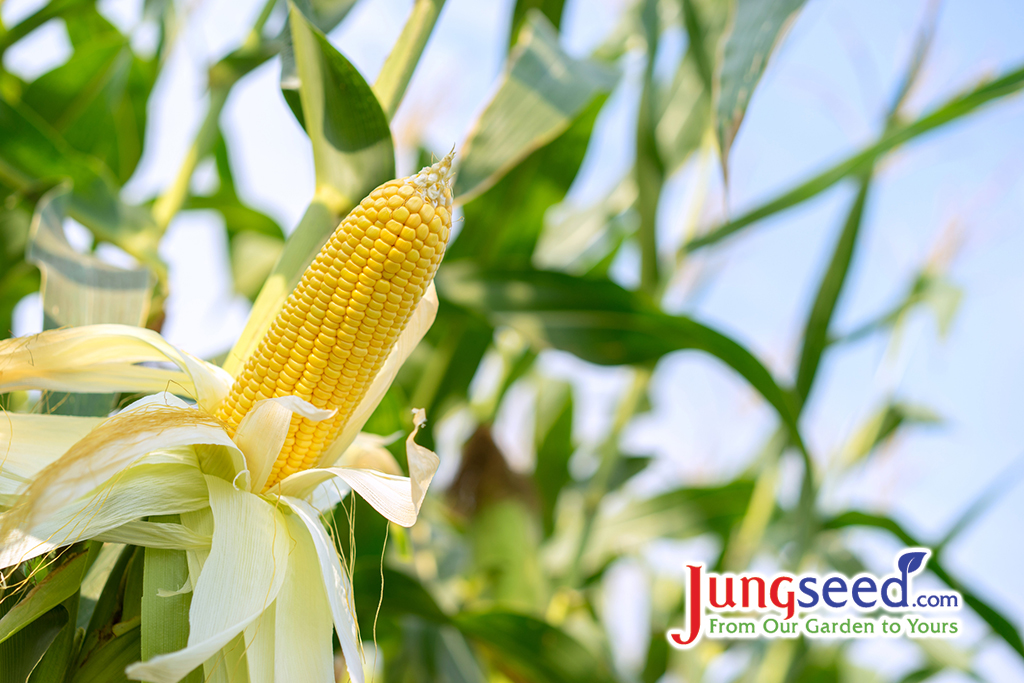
(169, 518)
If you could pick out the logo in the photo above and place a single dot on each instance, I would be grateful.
(806, 604)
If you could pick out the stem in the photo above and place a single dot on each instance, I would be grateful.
(741, 548)
(257, 29)
(401, 63)
(223, 77)
(609, 450)
(650, 170)
(173, 198)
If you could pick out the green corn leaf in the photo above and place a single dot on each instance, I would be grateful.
(253, 254)
(460, 342)
(551, 9)
(61, 653)
(521, 645)
(931, 289)
(995, 619)
(107, 118)
(684, 112)
(882, 426)
(986, 500)
(165, 625)
(55, 662)
(553, 436)
(398, 68)
(402, 595)
(21, 654)
(51, 10)
(598, 321)
(681, 513)
(656, 664)
(627, 467)
(95, 580)
(108, 662)
(757, 28)
(430, 653)
(325, 14)
(897, 135)
(352, 147)
(31, 153)
(85, 24)
(542, 92)
(505, 535)
(17, 281)
(505, 223)
(528, 649)
(79, 289)
(109, 598)
(683, 117)
(701, 38)
(131, 604)
(522, 365)
(60, 584)
(922, 674)
(456, 662)
(584, 240)
(815, 337)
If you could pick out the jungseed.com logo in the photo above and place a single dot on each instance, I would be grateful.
(817, 598)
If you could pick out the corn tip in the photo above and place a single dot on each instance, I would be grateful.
(435, 181)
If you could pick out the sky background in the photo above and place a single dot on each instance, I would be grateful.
(823, 95)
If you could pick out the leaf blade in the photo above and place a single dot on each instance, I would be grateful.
(958, 107)
(758, 27)
(543, 91)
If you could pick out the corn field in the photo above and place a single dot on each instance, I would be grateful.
(432, 340)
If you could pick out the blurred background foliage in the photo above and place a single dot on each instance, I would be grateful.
(513, 573)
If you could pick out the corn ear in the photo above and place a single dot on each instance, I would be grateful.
(338, 326)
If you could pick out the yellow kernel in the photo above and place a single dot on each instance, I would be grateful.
(396, 255)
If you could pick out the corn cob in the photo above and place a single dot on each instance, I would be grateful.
(337, 327)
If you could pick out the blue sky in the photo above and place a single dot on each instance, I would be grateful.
(822, 96)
